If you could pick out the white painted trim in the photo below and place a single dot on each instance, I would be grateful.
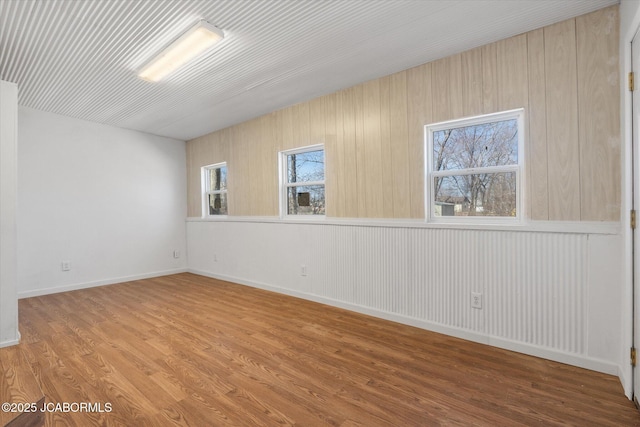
(629, 22)
(112, 281)
(8, 212)
(571, 227)
(205, 190)
(558, 356)
(284, 184)
(9, 343)
(518, 169)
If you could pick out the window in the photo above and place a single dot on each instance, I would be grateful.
(214, 180)
(474, 168)
(302, 181)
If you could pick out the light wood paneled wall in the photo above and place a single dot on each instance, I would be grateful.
(565, 76)
(598, 114)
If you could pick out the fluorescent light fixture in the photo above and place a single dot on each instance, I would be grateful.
(192, 43)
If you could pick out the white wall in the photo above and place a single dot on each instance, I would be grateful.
(9, 334)
(110, 201)
(552, 290)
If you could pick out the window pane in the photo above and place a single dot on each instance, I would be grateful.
(487, 144)
(305, 200)
(217, 179)
(491, 194)
(305, 167)
(218, 204)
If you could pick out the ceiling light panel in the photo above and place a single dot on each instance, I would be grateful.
(188, 46)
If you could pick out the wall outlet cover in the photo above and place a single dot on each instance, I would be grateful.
(476, 300)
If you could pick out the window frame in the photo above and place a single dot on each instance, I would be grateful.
(518, 169)
(206, 191)
(284, 183)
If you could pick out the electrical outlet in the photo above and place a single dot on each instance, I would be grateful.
(476, 300)
(65, 265)
(303, 270)
(215, 257)
(176, 254)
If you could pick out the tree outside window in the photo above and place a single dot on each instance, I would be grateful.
(474, 167)
(215, 189)
(303, 181)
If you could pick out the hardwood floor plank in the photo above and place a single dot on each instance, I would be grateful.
(18, 385)
(190, 350)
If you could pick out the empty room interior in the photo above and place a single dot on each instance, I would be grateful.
(344, 213)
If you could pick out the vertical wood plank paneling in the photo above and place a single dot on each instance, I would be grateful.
(277, 145)
(316, 121)
(400, 174)
(278, 129)
(441, 101)
(241, 175)
(253, 149)
(472, 89)
(386, 171)
(317, 131)
(341, 172)
(599, 128)
(224, 141)
(361, 152)
(302, 126)
(447, 86)
(287, 123)
(489, 78)
(268, 166)
(455, 86)
(419, 113)
(256, 167)
(538, 194)
(247, 159)
(235, 181)
(567, 84)
(373, 149)
(332, 155)
(562, 121)
(223, 147)
(350, 157)
(512, 72)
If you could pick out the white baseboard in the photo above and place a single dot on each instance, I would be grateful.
(542, 352)
(112, 281)
(626, 381)
(9, 343)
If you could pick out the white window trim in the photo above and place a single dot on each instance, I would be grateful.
(519, 169)
(204, 171)
(284, 185)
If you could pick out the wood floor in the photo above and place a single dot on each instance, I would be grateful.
(18, 386)
(189, 350)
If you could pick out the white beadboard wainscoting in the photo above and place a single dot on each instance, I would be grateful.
(550, 291)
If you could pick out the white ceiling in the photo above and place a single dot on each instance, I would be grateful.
(78, 58)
